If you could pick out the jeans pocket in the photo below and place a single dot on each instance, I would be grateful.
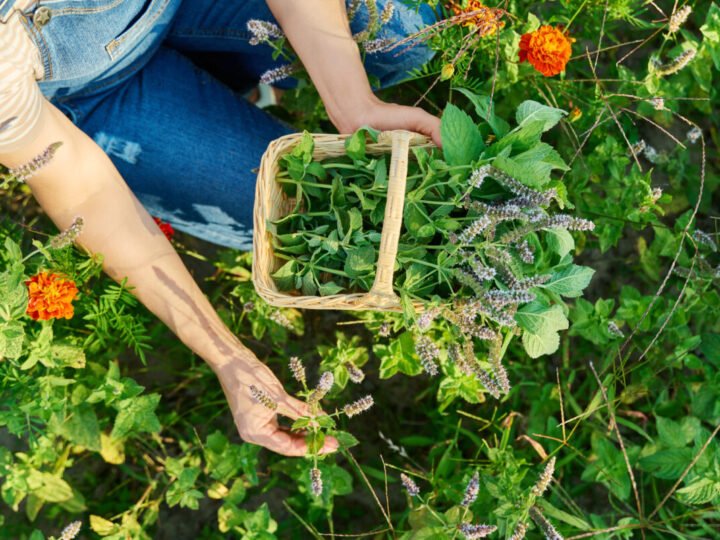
(137, 29)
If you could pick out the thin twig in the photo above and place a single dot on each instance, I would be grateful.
(372, 491)
(620, 442)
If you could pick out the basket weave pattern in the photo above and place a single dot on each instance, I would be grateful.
(271, 204)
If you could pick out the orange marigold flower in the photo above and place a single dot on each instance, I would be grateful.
(487, 18)
(166, 228)
(547, 49)
(51, 296)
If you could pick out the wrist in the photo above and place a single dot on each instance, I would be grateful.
(354, 111)
(215, 343)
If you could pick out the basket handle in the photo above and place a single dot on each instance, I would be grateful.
(401, 139)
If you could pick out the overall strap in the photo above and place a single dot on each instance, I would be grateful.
(6, 9)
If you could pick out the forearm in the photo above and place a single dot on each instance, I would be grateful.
(320, 34)
(81, 180)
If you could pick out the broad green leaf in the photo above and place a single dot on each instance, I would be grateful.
(667, 464)
(677, 434)
(81, 427)
(285, 276)
(560, 241)
(711, 33)
(461, 138)
(49, 487)
(570, 281)
(532, 167)
(103, 526)
(13, 292)
(12, 335)
(532, 111)
(701, 491)
(330, 288)
(484, 110)
(540, 325)
(360, 261)
(136, 415)
(112, 450)
(398, 357)
(346, 440)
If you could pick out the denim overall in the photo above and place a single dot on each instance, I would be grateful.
(185, 142)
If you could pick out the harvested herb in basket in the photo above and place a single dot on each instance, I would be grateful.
(485, 247)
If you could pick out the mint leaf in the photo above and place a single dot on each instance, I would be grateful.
(461, 138)
(532, 111)
(540, 325)
(482, 105)
(560, 241)
(136, 415)
(570, 281)
(360, 261)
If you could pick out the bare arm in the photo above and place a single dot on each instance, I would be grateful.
(320, 34)
(81, 180)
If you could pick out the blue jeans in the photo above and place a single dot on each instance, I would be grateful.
(186, 143)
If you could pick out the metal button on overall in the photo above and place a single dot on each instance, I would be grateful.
(42, 16)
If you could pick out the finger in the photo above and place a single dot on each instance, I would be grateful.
(290, 444)
(421, 121)
(282, 442)
(330, 445)
(293, 408)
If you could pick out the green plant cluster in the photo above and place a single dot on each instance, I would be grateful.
(479, 248)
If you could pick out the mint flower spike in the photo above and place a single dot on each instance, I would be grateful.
(374, 46)
(615, 330)
(278, 317)
(359, 406)
(271, 76)
(68, 236)
(427, 351)
(71, 531)
(327, 379)
(388, 12)
(263, 31)
(468, 365)
(298, 370)
(676, 64)
(678, 18)
(355, 374)
(474, 229)
(545, 526)
(472, 532)
(426, 318)
(24, 172)
(316, 483)
(471, 491)
(408, 483)
(545, 478)
(262, 397)
(520, 531)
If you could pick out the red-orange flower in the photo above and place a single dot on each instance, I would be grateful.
(487, 19)
(547, 49)
(166, 228)
(51, 296)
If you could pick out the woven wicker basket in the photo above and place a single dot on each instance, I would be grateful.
(271, 203)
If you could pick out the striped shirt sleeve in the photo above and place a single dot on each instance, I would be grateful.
(20, 96)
